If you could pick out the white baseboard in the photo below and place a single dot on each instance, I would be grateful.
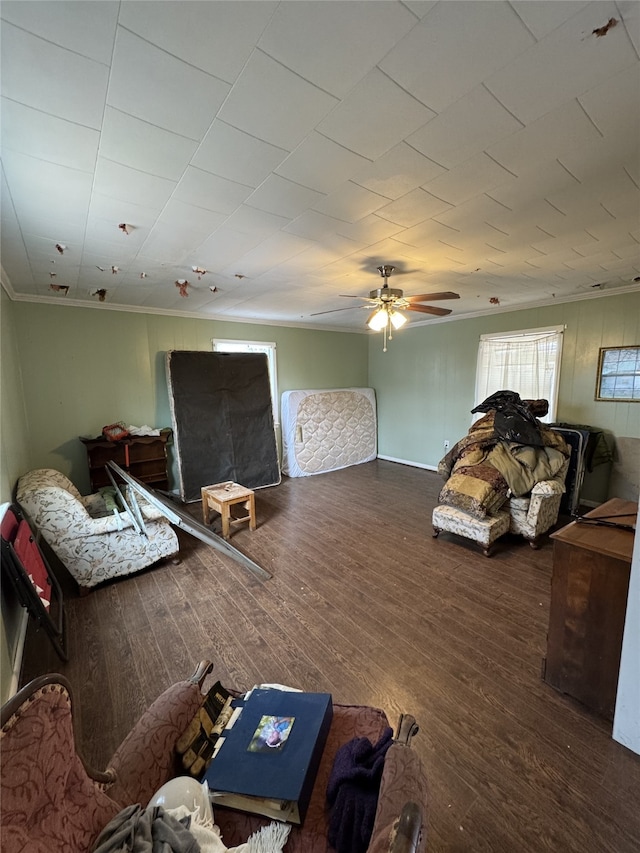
(407, 462)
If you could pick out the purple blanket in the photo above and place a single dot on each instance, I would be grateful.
(352, 792)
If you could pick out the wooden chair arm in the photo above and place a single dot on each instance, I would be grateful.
(201, 672)
(409, 828)
(407, 729)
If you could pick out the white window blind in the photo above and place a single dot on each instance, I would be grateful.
(527, 362)
(269, 348)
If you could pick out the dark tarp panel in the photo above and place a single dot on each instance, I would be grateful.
(222, 420)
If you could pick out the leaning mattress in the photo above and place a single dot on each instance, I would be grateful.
(328, 429)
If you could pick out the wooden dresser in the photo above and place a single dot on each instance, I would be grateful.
(589, 587)
(144, 457)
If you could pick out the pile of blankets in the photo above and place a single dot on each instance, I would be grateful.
(504, 454)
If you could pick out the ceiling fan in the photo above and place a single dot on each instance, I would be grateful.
(387, 303)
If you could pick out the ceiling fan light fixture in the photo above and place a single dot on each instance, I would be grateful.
(397, 320)
(378, 320)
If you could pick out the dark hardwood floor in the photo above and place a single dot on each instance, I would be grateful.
(363, 603)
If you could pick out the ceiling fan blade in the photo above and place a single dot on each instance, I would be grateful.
(432, 297)
(429, 309)
(333, 310)
(352, 296)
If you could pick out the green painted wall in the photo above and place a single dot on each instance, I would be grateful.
(425, 381)
(84, 368)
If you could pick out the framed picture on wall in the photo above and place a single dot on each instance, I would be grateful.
(619, 374)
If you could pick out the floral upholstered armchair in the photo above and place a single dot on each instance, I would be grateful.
(53, 801)
(93, 543)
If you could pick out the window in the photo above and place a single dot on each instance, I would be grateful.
(269, 349)
(619, 374)
(527, 362)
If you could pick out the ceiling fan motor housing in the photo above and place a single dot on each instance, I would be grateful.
(386, 294)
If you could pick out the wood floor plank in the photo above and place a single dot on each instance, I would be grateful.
(365, 603)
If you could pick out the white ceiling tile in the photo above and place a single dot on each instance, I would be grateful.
(540, 178)
(371, 229)
(231, 31)
(543, 17)
(397, 172)
(276, 249)
(568, 62)
(465, 128)
(209, 191)
(143, 146)
(52, 79)
(169, 243)
(317, 226)
(47, 137)
(130, 185)
(117, 211)
(106, 230)
(420, 7)
(199, 222)
(148, 83)
(563, 130)
(282, 197)
(321, 164)
(350, 203)
(233, 154)
(531, 222)
(35, 185)
(84, 28)
(630, 12)
(223, 247)
(606, 105)
(454, 47)
(271, 103)
(589, 161)
(428, 233)
(413, 207)
(259, 223)
(64, 232)
(478, 210)
(356, 122)
(353, 38)
(477, 175)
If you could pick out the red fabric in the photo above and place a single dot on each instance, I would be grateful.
(30, 557)
(48, 801)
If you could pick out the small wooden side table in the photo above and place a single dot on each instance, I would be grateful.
(221, 497)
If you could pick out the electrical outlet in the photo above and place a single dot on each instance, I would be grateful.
(446, 444)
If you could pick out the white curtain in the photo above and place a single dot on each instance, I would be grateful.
(526, 362)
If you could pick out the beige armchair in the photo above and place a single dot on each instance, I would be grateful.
(529, 516)
(534, 514)
(94, 544)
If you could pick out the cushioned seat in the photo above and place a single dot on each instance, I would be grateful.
(484, 531)
(94, 544)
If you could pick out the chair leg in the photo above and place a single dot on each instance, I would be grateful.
(436, 531)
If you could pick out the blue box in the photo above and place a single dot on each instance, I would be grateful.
(269, 757)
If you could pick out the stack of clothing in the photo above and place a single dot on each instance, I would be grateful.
(504, 454)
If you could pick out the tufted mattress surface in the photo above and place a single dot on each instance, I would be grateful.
(326, 430)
